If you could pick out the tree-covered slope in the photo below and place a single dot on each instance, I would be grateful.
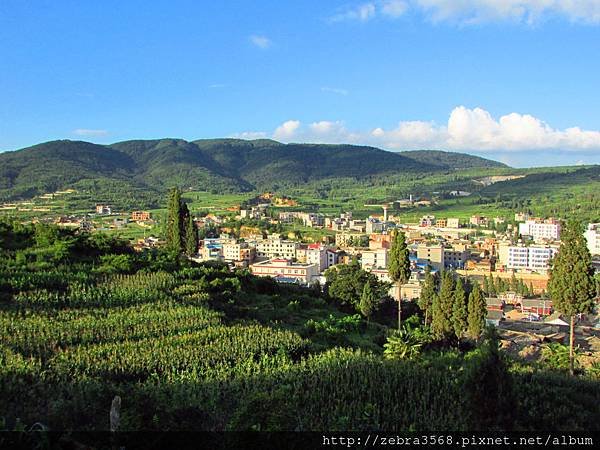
(217, 165)
(450, 160)
(53, 165)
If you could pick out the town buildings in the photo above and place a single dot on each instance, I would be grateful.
(541, 229)
(284, 270)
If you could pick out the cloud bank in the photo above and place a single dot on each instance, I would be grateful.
(476, 11)
(466, 130)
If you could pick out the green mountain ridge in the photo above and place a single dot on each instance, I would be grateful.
(219, 165)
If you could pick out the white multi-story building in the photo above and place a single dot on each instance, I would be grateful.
(374, 259)
(374, 225)
(238, 252)
(592, 236)
(284, 270)
(275, 247)
(541, 229)
(534, 258)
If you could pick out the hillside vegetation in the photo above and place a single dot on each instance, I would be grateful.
(215, 165)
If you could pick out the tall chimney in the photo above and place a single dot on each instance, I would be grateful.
(385, 208)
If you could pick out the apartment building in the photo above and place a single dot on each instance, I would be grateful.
(534, 258)
(539, 229)
(374, 259)
(275, 247)
(286, 271)
(238, 252)
(440, 256)
(374, 225)
(592, 236)
(456, 256)
(431, 254)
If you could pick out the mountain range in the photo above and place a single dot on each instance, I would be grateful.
(218, 165)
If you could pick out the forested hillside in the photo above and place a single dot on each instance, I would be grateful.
(216, 165)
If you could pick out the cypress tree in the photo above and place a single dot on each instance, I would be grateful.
(427, 294)
(492, 287)
(174, 223)
(459, 309)
(367, 301)
(191, 237)
(572, 285)
(486, 285)
(442, 315)
(476, 313)
(399, 266)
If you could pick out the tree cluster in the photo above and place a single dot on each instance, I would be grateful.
(354, 287)
(495, 286)
(454, 308)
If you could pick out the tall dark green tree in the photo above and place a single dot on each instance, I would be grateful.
(571, 285)
(441, 323)
(459, 309)
(368, 301)
(428, 293)
(174, 227)
(486, 285)
(476, 313)
(191, 237)
(399, 266)
(492, 292)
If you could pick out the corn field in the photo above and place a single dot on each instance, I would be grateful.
(183, 349)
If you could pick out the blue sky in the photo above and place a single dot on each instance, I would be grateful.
(506, 79)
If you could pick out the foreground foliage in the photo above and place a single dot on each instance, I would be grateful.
(198, 347)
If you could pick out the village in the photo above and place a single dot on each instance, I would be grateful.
(509, 257)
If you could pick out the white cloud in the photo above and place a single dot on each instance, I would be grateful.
(466, 130)
(338, 91)
(286, 130)
(217, 86)
(393, 8)
(366, 11)
(362, 13)
(476, 11)
(260, 41)
(530, 11)
(89, 132)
